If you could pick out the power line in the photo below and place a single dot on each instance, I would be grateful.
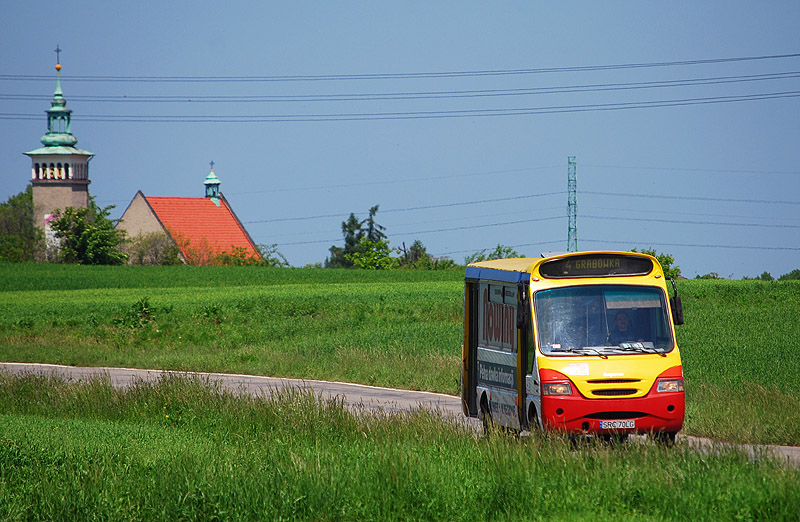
(521, 245)
(638, 212)
(426, 222)
(473, 227)
(604, 241)
(419, 232)
(396, 181)
(395, 76)
(694, 198)
(470, 227)
(408, 209)
(481, 93)
(692, 245)
(696, 170)
(506, 223)
(677, 221)
(417, 115)
(475, 216)
(529, 196)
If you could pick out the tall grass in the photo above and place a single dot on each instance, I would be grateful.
(45, 276)
(183, 449)
(740, 333)
(363, 332)
(741, 360)
(740, 344)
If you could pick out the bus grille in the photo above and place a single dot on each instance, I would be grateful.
(614, 393)
(606, 415)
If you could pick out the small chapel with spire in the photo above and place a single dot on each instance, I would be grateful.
(201, 227)
(59, 170)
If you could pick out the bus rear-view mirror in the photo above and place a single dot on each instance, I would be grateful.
(675, 304)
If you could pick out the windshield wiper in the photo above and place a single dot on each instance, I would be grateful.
(639, 347)
(589, 349)
(572, 349)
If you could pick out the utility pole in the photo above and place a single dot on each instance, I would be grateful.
(572, 205)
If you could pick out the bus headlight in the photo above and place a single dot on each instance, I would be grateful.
(670, 385)
(556, 388)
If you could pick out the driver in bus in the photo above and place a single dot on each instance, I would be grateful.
(623, 329)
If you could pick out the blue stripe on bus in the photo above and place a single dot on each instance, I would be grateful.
(491, 274)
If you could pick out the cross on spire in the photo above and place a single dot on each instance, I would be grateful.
(57, 50)
(212, 164)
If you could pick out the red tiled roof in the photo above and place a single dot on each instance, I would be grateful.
(198, 224)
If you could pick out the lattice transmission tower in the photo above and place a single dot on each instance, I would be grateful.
(572, 205)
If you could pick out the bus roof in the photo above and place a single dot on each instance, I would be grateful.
(512, 270)
(519, 269)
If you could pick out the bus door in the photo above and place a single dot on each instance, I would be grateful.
(530, 387)
(497, 384)
(469, 350)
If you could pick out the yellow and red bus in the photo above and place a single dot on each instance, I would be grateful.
(582, 343)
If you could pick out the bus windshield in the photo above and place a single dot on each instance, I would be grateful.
(602, 320)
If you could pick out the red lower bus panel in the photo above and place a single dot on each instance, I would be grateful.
(653, 412)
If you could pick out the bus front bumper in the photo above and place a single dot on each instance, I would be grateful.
(654, 412)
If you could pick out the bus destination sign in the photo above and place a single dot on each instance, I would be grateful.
(596, 265)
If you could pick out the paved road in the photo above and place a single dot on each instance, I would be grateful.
(356, 395)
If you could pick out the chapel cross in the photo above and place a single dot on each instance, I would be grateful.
(58, 54)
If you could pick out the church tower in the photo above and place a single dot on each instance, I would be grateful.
(59, 170)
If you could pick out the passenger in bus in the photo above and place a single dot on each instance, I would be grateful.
(623, 329)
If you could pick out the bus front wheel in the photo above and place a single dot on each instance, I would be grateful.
(533, 421)
(485, 415)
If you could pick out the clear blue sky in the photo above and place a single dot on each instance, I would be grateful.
(715, 184)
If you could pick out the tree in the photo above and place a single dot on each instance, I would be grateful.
(710, 275)
(353, 231)
(665, 260)
(374, 231)
(155, 248)
(268, 255)
(417, 257)
(500, 252)
(88, 237)
(793, 275)
(271, 256)
(373, 255)
(238, 256)
(20, 239)
(416, 253)
(196, 253)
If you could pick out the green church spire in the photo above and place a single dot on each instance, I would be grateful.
(59, 118)
(212, 185)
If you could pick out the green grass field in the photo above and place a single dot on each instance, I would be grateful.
(181, 449)
(740, 346)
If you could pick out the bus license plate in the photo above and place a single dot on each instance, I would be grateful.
(617, 424)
